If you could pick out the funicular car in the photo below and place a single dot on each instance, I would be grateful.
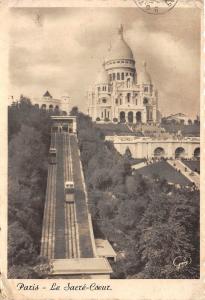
(69, 191)
(52, 156)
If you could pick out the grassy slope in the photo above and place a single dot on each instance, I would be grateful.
(164, 171)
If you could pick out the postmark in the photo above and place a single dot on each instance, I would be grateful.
(156, 7)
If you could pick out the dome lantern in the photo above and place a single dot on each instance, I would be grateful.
(144, 76)
(102, 77)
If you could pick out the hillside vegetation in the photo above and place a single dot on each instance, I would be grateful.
(29, 141)
(147, 222)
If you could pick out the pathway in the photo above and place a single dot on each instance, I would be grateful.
(186, 171)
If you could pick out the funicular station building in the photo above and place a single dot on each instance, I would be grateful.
(67, 237)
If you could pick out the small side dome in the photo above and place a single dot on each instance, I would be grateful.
(144, 76)
(102, 77)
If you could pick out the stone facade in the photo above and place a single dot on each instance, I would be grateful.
(147, 147)
(119, 93)
(47, 102)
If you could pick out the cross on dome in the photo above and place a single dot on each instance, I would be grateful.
(120, 31)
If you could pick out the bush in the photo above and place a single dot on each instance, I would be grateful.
(97, 119)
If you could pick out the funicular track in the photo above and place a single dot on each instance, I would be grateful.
(60, 238)
(66, 231)
(71, 230)
(48, 233)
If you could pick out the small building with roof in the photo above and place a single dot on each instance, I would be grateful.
(48, 102)
(178, 118)
(121, 93)
(104, 249)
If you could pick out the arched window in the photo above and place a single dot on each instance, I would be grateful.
(118, 76)
(120, 99)
(179, 152)
(138, 117)
(122, 76)
(116, 101)
(159, 152)
(145, 101)
(128, 82)
(130, 117)
(197, 152)
(113, 76)
(150, 114)
(43, 106)
(146, 89)
(122, 117)
(128, 97)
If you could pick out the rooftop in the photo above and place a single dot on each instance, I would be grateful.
(81, 266)
(47, 94)
(104, 249)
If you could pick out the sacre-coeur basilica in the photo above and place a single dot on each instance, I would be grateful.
(120, 94)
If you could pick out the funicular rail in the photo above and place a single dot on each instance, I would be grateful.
(85, 243)
(71, 230)
(59, 251)
(48, 234)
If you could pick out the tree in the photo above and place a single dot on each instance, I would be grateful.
(135, 213)
(128, 153)
(29, 140)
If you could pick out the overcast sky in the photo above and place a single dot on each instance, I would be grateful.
(61, 50)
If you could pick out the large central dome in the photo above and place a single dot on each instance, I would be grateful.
(119, 49)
